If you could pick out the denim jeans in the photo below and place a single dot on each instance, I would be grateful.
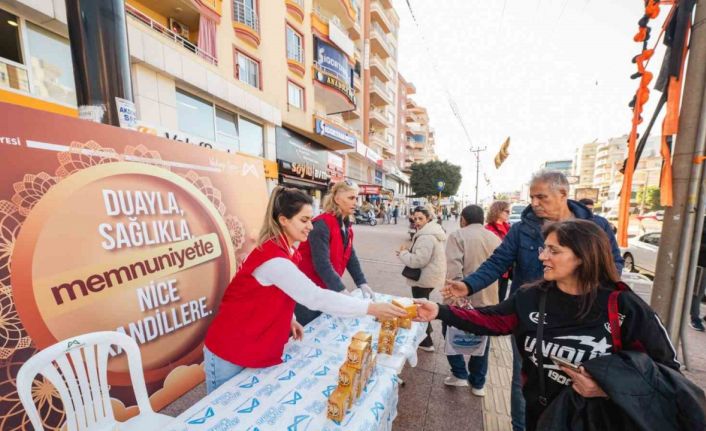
(218, 370)
(517, 399)
(477, 365)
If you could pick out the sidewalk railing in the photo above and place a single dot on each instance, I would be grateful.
(164, 31)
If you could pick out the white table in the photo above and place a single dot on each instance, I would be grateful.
(293, 396)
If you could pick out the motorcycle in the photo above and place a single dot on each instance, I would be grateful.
(365, 218)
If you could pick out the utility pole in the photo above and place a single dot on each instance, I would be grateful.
(477, 153)
(674, 259)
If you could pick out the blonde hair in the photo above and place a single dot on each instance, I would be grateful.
(329, 204)
(495, 209)
(285, 202)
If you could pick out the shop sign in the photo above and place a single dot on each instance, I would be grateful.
(155, 232)
(332, 61)
(335, 167)
(323, 128)
(182, 137)
(301, 158)
(378, 176)
(367, 189)
(373, 156)
(336, 83)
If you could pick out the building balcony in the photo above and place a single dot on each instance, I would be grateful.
(377, 140)
(379, 69)
(343, 11)
(378, 120)
(246, 23)
(296, 9)
(379, 94)
(378, 43)
(352, 115)
(171, 35)
(379, 17)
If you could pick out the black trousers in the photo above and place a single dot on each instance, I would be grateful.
(424, 292)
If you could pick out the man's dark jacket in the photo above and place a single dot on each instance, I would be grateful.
(519, 249)
(644, 395)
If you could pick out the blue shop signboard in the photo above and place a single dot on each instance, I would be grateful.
(330, 131)
(334, 69)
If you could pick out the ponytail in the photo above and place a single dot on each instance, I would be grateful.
(285, 202)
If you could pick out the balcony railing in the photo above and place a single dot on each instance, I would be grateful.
(244, 14)
(381, 87)
(295, 53)
(164, 31)
(13, 76)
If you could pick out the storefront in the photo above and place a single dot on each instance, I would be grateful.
(302, 164)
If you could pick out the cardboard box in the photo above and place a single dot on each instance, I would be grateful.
(363, 336)
(347, 375)
(338, 403)
(357, 353)
(389, 325)
(405, 323)
(408, 304)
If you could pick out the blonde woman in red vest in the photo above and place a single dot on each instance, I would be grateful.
(329, 250)
(256, 315)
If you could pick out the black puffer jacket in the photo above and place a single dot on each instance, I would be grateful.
(644, 395)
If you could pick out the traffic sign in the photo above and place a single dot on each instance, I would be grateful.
(440, 185)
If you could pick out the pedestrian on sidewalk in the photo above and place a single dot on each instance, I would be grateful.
(466, 249)
(497, 222)
(427, 254)
(396, 213)
(567, 314)
(549, 192)
(385, 213)
(256, 315)
(328, 251)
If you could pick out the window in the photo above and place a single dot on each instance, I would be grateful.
(295, 48)
(51, 67)
(295, 95)
(247, 69)
(251, 137)
(195, 115)
(230, 131)
(226, 128)
(35, 60)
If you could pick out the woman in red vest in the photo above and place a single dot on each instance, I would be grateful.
(329, 250)
(256, 314)
(497, 222)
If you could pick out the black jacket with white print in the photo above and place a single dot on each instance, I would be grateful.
(565, 336)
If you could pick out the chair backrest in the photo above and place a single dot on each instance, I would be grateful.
(78, 369)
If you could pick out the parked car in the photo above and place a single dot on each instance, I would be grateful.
(516, 212)
(654, 215)
(641, 253)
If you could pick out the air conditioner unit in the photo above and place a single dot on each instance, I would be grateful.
(179, 28)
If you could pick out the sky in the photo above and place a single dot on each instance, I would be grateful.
(551, 74)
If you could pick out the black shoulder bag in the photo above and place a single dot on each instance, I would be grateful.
(412, 273)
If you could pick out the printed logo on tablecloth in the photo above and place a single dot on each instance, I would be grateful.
(342, 337)
(376, 409)
(329, 389)
(202, 419)
(289, 376)
(333, 326)
(316, 354)
(254, 403)
(356, 323)
(297, 420)
(323, 371)
(252, 383)
(309, 330)
(286, 357)
(297, 396)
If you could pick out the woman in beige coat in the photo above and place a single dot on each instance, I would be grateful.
(427, 253)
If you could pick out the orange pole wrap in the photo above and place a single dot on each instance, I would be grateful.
(666, 197)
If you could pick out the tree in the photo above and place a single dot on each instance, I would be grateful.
(648, 198)
(425, 176)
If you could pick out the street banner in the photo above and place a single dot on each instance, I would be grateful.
(103, 228)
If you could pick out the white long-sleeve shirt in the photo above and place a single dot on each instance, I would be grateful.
(287, 277)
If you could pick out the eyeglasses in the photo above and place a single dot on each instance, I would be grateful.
(551, 251)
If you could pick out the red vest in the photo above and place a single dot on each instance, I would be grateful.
(338, 255)
(253, 321)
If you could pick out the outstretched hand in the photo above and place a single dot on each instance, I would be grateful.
(297, 330)
(427, 310)
(454, 289)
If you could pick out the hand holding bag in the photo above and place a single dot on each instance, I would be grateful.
(412, 273)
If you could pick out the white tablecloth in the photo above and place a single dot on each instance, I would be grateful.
(293, 396)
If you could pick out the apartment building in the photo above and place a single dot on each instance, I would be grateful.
(311, 87)
(420, 136)
(585, 164)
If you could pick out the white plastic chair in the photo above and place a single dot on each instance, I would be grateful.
(78, 368)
